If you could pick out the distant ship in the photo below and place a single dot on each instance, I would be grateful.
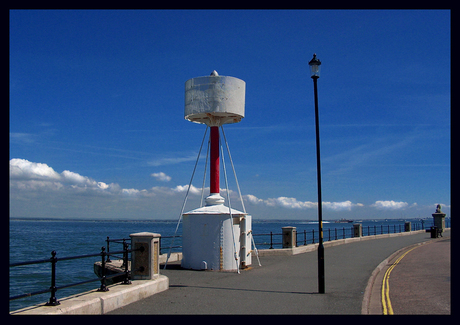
(344, 221)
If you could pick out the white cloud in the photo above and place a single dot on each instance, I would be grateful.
(25, 174)
(252, 199)
(24, 169)
(37, 189)
(184, 188)
(390, 205)
(161, 177)
(35, 185)
(290, 202)
(74, 177)
(102, 185)
(340, 206)
(130, 191)
(293, 203)
(29, 175)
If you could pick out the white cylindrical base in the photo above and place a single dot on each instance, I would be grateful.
(211, 241)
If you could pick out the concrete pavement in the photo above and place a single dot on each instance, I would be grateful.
(282, 285)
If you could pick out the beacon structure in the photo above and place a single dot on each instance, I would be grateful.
(215, 237)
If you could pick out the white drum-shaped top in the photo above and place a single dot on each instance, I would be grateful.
(214, 100)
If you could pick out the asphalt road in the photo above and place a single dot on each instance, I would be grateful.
(282, 285)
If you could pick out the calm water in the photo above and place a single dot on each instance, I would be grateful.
(35, 239)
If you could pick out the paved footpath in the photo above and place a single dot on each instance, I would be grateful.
(282, 285)
(420, 282)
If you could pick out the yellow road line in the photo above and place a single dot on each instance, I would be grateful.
(386, 303)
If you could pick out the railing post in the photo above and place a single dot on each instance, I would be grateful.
(108, 250)
(305, 237)
(103, 278)
(53, 301)
(313, 235)
(125, 253)
(271, 240)
(125, 262)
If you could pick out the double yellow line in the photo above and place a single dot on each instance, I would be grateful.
(386, 303)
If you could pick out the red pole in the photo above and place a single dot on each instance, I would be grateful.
(214, 160)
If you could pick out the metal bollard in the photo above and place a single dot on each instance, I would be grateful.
(434, 232)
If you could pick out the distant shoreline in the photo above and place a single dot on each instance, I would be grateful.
(172, 220)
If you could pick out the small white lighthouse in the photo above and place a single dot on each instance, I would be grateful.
(215, 237)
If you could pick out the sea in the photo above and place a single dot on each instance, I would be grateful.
(35, 239)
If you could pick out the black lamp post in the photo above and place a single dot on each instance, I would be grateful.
(315, 67)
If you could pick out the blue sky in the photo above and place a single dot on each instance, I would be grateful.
(97, 125)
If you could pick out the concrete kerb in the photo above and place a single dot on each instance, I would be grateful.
(97, 303)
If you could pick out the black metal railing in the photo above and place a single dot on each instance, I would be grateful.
(266, 241)
(124, 242)
(103, 278)
(306, 237)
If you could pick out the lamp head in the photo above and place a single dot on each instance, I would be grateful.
(315, 67)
